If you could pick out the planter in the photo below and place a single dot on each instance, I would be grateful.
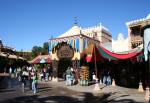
(84, 82)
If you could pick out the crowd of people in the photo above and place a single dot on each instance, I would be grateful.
(46, 74)
(30, 75)
(107, 77)
(70, 73)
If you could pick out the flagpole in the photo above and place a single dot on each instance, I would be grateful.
(95, 57)
(96, 88)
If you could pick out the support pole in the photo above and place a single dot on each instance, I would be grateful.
(147, 94)
(95, 61)
(97, 88)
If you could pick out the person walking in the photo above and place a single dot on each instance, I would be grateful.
(23, 80)
(47, 76)
(31, 74)
(19, 73)
(50, 72)
(68, 76)
(41, 75)
(109, 80)
(10, 71)
(44, 73)
(34, 84)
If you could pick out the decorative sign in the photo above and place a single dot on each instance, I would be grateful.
(42, 60)
(65, 52)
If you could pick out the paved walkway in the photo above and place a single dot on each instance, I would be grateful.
(58, 92)
(111, 93)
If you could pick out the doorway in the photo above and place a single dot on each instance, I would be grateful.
(62, 67)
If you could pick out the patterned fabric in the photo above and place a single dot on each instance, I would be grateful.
(100, 53)
(114, 56)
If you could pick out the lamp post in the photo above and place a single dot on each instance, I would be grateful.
(95, 61)
(95, 56)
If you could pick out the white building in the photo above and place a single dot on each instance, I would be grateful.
(99, 33)
(121, 44)
(70, 46)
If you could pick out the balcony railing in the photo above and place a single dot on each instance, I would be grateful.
(136, 38)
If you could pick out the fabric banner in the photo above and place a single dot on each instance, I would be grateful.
(103, 54)
(112, 55)
(49, 47)
(71, 43)
(77, 44)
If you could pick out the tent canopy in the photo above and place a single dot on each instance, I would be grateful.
(99, 53)
(41, 59)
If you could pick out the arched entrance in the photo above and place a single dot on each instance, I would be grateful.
(62, 66)
(65, 54)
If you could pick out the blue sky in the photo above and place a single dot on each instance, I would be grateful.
(26, 23)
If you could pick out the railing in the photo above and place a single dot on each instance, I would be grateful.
(136, 38)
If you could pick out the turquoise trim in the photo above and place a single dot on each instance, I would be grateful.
(77, 44)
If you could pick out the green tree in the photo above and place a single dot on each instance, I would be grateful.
(45, 48)
(36, 51)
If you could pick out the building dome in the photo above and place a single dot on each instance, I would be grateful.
(71, 32)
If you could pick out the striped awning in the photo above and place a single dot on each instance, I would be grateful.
(100, 54)
(41, 59)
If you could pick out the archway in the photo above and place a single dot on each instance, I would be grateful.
(62, 66)
(65, 54)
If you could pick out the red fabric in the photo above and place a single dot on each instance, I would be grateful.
(36, 61)
(88, 59)
(98, 56)
(120, 56)
(48, 60)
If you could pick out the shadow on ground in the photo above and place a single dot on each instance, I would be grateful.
(86, 98)
(42, 89)
(6, 90)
